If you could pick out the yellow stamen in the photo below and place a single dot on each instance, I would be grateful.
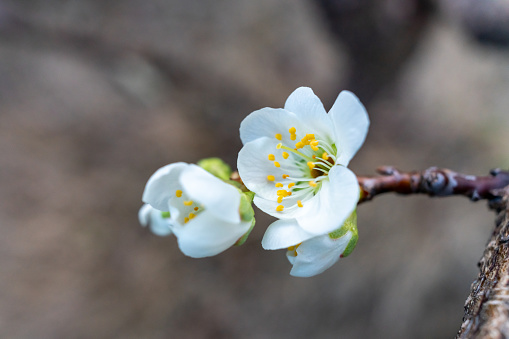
(277, 164)
(285, 155)
(292, 130)
(271, 177)
(279, 136)
(312, 183)
(278, 146)
(278, 184)
(300, 144)
(279, 200)
(191, 216)
(311, 165)
(313, 143)
(280, 208)
(283, 193)
(299, 203)
(186, 220)
(196, 208)
(188, 203)
(290, 185)
(285, 176)
(293, 136)
(314, 156)
(178, 193)
(272, 157)
(325, 156)
(314, 148)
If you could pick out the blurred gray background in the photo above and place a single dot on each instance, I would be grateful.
(96, 95)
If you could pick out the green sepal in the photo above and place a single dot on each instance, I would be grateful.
(216, 167)
(243, 239)
(165, 215)
(350, 225)
(246, 210)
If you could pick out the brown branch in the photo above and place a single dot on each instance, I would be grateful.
(433, 182)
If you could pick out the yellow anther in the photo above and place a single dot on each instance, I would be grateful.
(314, 148)
(325, 156)
(186, 220)
(299, 203)
(293, 136)
(300, 144)
(278, 146)
(290, 185)
(279, 200)
(278, 184)
(285, 176)
(310, 136)
(312, 183)
(280, 208)
(314, 156)
(271, 157)
(279, 136)
(292, 130)
(283, 193)
(178, 193)
(285, 155)
(290, 193)
(277, 164)
(196, 208)
(191, 216)
(311, 165)
(188, 203)
(314, 142)
(271, 178)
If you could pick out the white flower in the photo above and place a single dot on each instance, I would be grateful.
(295, 160)
(204, 210)
(316, 254)
(159, 225)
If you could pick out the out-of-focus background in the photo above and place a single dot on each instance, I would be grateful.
(96, 95)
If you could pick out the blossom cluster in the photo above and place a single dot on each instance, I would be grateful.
(292, 166)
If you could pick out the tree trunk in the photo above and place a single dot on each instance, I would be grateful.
(487, 307)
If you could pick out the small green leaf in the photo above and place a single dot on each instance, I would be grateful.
(243, 239)
(216, 167)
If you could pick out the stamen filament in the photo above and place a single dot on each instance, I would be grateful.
(280, 145)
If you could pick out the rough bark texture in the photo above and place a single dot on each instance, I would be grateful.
(487, 307)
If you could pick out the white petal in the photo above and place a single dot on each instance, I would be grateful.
(162, 185)
(218, 197)
(153, 218)
(308, 107)
(335, 201)
(144, 214)
(206, 235)
(318, 254)
(283, 234)
(351, 123)
(267, 122)
(254, 166)
(160, 226)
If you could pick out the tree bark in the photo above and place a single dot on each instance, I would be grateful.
(487, 306)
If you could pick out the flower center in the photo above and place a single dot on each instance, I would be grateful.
(187, 208)
(304, 167)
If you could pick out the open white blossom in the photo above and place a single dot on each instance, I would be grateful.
(159, 225)
(294, 160)
(204, 210)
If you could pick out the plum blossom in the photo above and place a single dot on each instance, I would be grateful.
(203, 209)
(294, 159)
